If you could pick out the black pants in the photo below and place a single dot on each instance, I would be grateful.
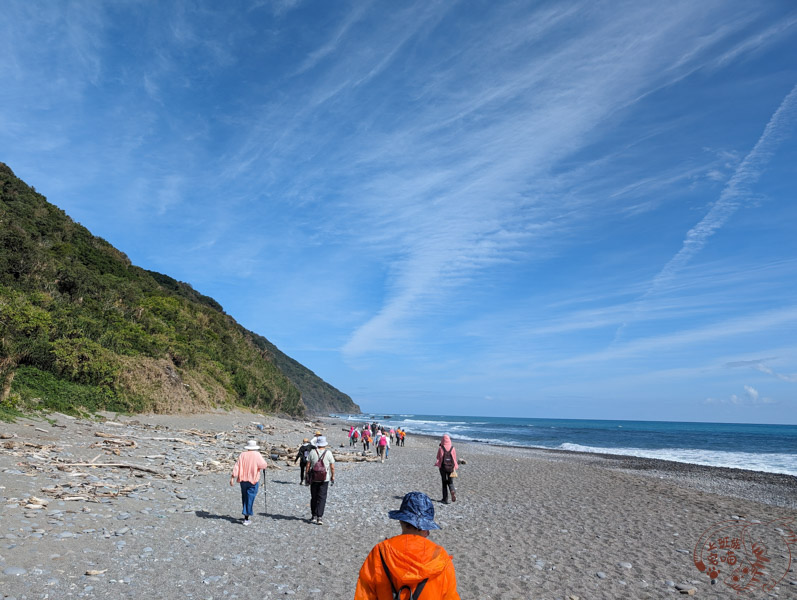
(318, 498)
(448, 483)
(302, 467)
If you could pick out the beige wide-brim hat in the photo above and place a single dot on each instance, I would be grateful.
(252, 445)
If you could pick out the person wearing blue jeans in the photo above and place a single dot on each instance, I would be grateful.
(247, 473)
(248, 493)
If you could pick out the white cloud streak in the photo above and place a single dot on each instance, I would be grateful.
(737, 190)
(545, 128)
(759, 365)
(764, 321)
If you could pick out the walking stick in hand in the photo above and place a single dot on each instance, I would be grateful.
(265, 491)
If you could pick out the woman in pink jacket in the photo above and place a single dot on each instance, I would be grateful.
(447, 463)
(247, 472)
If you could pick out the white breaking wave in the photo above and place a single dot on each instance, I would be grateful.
(768, 463)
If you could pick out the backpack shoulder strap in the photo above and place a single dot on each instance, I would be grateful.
(389, 578)
(397, 592)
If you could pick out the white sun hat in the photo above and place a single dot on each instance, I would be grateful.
(252, 445)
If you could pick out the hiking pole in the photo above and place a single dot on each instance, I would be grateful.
(265, 491)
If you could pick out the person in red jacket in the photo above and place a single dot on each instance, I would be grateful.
(409, 565)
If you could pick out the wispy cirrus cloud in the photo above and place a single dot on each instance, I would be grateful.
(737, 189)
(760, 365)
(526, 141)
(735, 192)
(749, 323)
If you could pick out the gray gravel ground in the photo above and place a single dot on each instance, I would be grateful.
(527, 524)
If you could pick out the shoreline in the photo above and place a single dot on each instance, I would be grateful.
(779, 489)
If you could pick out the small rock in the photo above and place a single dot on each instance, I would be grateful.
(14, 571)
(686, 590)
(601, 575)
(625, 565)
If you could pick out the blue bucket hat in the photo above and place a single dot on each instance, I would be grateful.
(417, 510)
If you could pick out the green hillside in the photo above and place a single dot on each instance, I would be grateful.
(81, 328)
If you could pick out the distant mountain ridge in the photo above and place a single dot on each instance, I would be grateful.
(83, 329)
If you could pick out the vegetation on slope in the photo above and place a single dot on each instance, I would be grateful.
(83, 329)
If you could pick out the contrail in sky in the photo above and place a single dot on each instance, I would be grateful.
(746, 174)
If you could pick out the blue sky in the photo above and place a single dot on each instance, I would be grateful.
(549, 209)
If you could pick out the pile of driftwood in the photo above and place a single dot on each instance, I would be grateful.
(147, 452)
(92, 491)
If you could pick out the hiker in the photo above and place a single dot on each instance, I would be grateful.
(366, 440)
(351, 435)
(315, 438)
(447, 463)
(302, 455)
(409, 563)
(355, 437)
(392, 435)
(320, 473)
(382, 446)
(247, 472)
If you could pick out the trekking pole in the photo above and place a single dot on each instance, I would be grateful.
(265, 491)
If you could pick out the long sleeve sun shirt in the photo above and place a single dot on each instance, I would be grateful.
(248, 466)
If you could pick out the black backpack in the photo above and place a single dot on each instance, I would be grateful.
(448, 461)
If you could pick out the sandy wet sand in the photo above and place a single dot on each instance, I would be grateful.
(527, 524)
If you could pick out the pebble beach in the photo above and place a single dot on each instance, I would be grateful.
(141, 507)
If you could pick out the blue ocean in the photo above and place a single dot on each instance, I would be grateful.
(769, 448)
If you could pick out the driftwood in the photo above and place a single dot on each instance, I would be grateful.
(116, 437)
(199, 433)
(169, 439)
(89, 491)
(117, 465)
(355, 458)
(111, 442)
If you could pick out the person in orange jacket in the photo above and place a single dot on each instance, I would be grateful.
(409, 565)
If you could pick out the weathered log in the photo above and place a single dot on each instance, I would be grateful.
(117, 465)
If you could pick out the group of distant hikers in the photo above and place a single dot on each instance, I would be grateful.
(380, 437)
(407, 563)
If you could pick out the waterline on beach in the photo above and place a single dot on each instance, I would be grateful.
(764, 448)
